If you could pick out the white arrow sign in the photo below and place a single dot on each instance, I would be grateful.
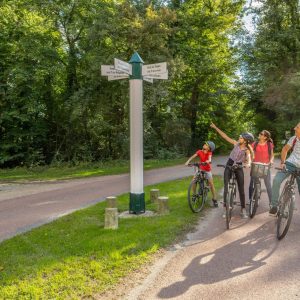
(108, 70)
(158, 75)
(148, 70)
(148, 79)
(117, 77)
(123, 66)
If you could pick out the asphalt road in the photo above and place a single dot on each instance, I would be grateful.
(245, 262)
(25, 206)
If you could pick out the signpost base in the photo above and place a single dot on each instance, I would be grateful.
(137, 203)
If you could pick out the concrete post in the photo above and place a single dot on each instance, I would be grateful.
(163, 207)
(154, 193)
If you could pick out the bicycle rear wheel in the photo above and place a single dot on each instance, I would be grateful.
(196, 200)
(285, 215)
(228, 207)
(254, 201)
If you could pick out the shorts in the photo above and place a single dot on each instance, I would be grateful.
(208, 175)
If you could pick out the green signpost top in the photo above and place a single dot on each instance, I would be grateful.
(135, 58)
(136, 63)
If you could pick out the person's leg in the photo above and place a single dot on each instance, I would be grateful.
(298, 183)
(212, 188)
(267, 181)
(239, 173)
(251, 187)
(279, 177)
(226, 181)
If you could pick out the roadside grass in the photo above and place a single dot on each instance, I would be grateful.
(75, 257)
(80, 170)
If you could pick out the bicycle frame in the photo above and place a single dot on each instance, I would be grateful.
(286, 205)
(198, 190)
(231, 192)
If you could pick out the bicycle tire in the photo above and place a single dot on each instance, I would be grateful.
(254, 201)
(285, 215)
(196, 204)
(228, 210)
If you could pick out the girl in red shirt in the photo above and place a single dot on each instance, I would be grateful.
(205, 157)
(263, 153)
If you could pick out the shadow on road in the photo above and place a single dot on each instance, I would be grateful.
(247, 254)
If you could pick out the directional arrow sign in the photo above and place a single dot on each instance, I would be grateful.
(123, 66)
(158, 75)
(108, 70)
(148, 70)
(117, 77)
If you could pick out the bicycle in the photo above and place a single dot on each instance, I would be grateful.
(198, 189)
(286, 204)
(258, 171)
(231, 192)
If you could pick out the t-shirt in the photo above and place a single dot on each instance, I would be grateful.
(261, 153)
(203, 158)
(294, 158)
(237, 154)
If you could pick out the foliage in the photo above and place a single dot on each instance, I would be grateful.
(55, 107)
(272, 67)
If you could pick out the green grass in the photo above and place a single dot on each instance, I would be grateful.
(79, 171)
(75, 257)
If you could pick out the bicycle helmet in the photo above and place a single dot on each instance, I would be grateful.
(248, 137)
(211, 145)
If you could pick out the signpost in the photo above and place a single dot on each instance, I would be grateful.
(136, 71)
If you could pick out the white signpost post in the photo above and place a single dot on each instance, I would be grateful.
(136, 72)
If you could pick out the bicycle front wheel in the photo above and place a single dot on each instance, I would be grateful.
(228, 207)
(254, 201)
(196, 196)
(285, 215)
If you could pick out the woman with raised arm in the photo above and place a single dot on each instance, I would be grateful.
(263, 153)
(241, 153)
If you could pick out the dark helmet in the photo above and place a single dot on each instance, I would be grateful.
(248, 137)
(211, 145)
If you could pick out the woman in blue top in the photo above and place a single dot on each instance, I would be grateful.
(241, 153)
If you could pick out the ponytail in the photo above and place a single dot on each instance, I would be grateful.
(249, 147)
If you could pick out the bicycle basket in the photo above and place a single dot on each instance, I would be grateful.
(259, 170)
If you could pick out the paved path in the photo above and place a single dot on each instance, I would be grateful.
(25, 206)
(245, 262)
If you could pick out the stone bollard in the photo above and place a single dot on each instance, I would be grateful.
(111, 202)
(163, 207)
(111, 214)
(154, 193)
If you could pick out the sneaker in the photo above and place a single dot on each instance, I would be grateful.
(215, 202)
(273, 211)
(194, 198)
(244, 214)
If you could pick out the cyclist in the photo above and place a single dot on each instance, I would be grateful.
(241, 153)
(205, 157)
(263, 153)
(290, 164)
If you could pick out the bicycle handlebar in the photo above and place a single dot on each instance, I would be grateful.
(232, 167)
(197, 164)
(296, 172)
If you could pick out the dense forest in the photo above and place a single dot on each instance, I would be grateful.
(56, 107)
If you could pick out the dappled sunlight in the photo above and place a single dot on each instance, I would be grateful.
(218, 264)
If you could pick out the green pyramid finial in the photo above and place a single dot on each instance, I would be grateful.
(135, 58)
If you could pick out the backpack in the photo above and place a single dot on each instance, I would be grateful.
(294, 143)
(269, 148)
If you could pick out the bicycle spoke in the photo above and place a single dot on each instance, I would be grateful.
(196, 196)
(285, 215)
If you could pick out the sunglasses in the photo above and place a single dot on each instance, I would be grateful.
(261, 133)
